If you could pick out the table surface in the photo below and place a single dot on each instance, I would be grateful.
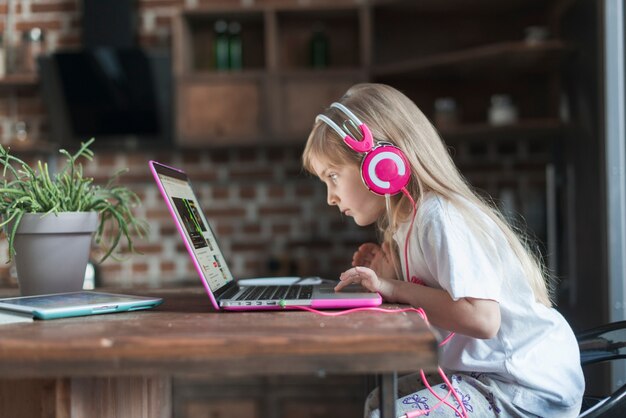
(184, 336)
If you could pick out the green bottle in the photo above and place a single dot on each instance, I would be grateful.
(235, 58)
(220, 45)
(319, 47)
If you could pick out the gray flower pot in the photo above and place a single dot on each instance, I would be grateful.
(52, 251)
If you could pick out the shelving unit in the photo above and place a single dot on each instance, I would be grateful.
(275, 96)
(398, 42)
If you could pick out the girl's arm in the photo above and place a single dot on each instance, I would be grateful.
(476, 318)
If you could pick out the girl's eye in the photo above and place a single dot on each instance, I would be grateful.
(333, 177)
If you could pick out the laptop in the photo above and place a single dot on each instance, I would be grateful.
(66, 305)
(223, 290)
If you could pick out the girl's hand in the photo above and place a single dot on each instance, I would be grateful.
(376, 258)
(367, 278)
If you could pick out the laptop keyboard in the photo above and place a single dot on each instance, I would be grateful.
(276, 293)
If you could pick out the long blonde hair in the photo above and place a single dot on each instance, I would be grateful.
(393, 117)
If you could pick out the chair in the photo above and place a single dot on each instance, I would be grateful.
(604, 343)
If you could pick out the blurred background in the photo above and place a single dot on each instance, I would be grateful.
(526, 94)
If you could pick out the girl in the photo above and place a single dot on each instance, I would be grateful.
(447, 251)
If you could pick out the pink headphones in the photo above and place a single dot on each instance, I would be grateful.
(384, 169)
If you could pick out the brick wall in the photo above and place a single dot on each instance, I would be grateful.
(270, 217)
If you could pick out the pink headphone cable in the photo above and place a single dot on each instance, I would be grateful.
(462, 413)
(422, 314)
(406, 251)
(420, 311)
(406, 241)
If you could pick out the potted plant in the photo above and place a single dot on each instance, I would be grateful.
(50, 219)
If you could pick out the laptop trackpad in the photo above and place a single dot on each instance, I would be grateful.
(326, 291)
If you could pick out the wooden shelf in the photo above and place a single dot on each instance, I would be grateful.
(216, 76)
(524, 129)
(323, 73)
(19, 80)
(448, 6)
(501, 59)
(29, 147)
(326, 73)
(226, 108)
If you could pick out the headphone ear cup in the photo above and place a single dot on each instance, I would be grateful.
(385, 170)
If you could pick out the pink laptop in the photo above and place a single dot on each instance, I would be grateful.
(225, 292)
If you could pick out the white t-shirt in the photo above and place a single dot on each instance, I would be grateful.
(535, 349)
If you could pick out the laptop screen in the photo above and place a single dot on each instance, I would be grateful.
(200, 237)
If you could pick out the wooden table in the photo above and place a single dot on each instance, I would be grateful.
(121, 365)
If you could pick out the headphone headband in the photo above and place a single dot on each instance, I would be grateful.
(362, 146)
(347, 112)
(329, 122)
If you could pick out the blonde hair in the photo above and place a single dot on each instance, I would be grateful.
(393, 117)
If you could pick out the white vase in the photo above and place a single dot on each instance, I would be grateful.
(52, 251)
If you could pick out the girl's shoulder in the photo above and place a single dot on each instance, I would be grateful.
(433, 205)
(432, 212)
(436, 214)
(431, 201)
(439, 209)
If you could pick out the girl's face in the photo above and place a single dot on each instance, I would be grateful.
(346, 190)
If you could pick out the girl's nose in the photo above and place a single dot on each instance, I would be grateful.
(331, 198)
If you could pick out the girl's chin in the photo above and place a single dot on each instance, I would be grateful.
(361, 222)
(365, 221)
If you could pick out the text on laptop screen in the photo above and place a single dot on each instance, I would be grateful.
(198, 231)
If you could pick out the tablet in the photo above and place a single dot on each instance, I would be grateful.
(64, 305)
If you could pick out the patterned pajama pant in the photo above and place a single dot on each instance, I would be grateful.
(481, 396)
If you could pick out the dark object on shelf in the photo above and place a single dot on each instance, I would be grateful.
(220, 45)
(115, 95)
(502, 110)
(29, 49)
(319, 47)
(446, 112)
(235, 58)
(3, 57)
